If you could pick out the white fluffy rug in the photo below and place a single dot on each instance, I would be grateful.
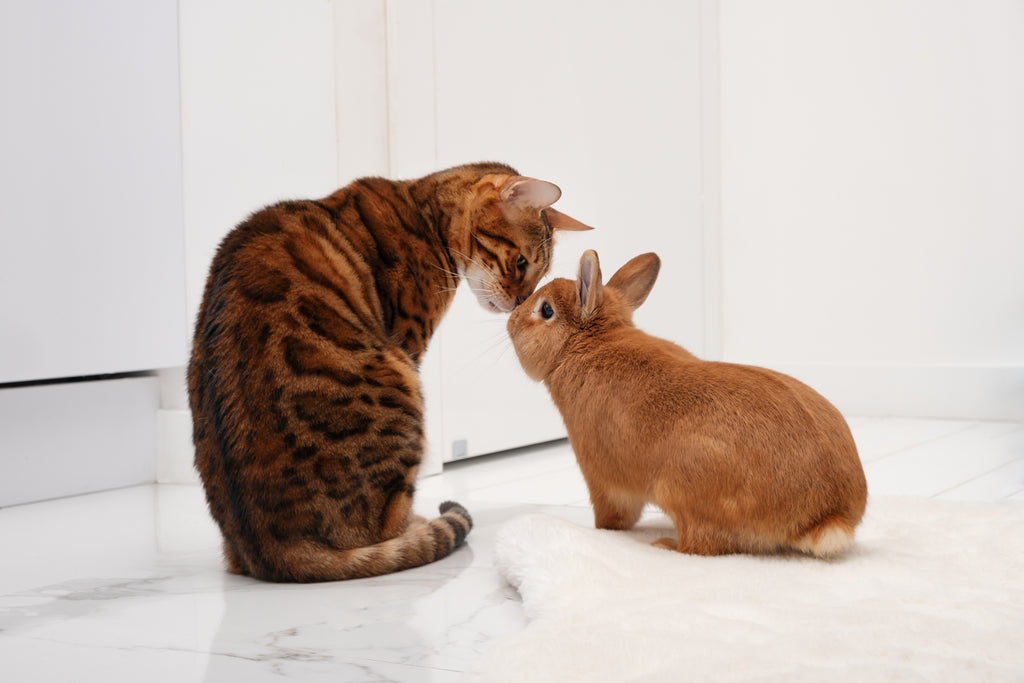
(932, 591)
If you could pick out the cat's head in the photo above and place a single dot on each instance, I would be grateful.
(506, 240)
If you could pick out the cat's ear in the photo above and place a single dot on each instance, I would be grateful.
(588, 283)
(519, 192)
(559, 221)
(635, 279)
(529, 193)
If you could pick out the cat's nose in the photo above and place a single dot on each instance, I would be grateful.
(520, 299)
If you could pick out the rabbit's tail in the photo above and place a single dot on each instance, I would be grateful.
(830, 537)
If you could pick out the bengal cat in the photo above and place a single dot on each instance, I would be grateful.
(303, 382)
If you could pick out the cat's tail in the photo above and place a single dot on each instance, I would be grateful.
(423, 541)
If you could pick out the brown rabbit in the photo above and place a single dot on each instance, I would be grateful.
(742, 459)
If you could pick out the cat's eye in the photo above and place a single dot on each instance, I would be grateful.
(521, 262)
(546, 311)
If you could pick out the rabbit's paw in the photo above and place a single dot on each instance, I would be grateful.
(666, 543)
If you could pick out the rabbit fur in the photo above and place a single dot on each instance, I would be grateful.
(742, 459)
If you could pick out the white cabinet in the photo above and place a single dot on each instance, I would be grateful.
(92, 277)
(91, 250)
(117, 185)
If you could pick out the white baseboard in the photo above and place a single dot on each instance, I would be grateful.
(175, 453)
(937, 391)
(66, 439)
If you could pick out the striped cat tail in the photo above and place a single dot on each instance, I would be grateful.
(458, 521)
(424, 541)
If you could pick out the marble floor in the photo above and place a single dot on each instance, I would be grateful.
(127, 585)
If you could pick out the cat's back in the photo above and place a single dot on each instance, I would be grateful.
(348, 221)
(255, 258)
(300, 259)
(287, 297)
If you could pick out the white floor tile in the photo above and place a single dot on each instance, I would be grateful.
(943, 463)
(1002, 483)
(462, 479)
(880, 437)
(562, 487)
(128, 585)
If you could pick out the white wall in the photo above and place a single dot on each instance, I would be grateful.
(873, 200)
(604, 100)
(871, 166)
(258, 116)
(864, 166)
(258, 126)
(361, 89)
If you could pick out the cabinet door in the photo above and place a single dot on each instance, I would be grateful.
(603, 100)
(91, 237)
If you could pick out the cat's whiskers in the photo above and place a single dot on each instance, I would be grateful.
(447, 272)
(545, 245)
(475, 261)
(457, 277)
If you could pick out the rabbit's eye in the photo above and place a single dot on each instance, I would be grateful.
(546, 311)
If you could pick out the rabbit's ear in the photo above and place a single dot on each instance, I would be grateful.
(635, 279)
(588, 283)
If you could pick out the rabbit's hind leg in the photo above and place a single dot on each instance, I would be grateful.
(695, 539)
(614, 509)
(704, 518)
(696, 533)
